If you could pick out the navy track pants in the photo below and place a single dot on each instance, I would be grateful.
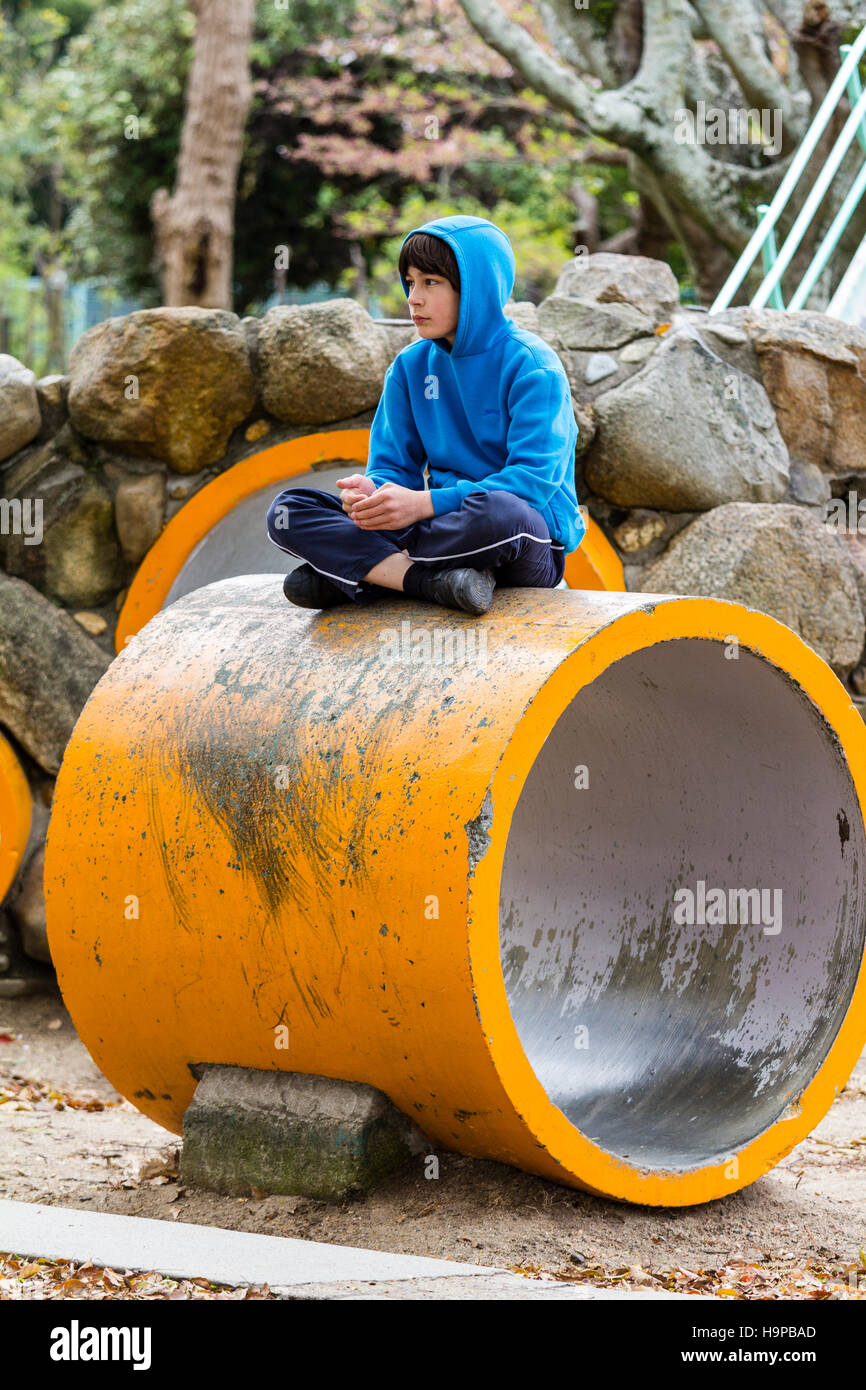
(491, 530)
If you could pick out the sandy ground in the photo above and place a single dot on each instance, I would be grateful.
(809, 1212)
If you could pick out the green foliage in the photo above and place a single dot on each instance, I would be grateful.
(118, 94)
(539, 238)
(368, 117)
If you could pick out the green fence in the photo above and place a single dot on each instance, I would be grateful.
(40, 319)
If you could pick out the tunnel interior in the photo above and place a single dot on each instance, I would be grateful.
(669, 1040)
(239, 543)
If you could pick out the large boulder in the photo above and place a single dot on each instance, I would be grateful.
(779, 559)
(48, 667)
(607, 278)
(75, 558)
(814, 371)
(20, 418)
(813, 368)
(170, 384)
(581, 324)
(320, 362)
(686, 433)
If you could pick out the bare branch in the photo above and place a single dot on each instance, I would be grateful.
(574, 38)
(603, 113)
(642, 116)
(738, 31)
(661, 77)
(599, 154)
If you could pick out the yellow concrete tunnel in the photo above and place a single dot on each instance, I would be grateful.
(578, 884)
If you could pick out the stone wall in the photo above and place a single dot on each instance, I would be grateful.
(711, 451)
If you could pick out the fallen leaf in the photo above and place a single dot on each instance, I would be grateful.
(165, 1164)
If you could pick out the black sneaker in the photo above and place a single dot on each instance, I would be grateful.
(309, 589)
(471, 590)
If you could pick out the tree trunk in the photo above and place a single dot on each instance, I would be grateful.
(195, 225)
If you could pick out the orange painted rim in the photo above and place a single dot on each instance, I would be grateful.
(599, 1170)
(595, 564)
(16, 813)
(179, 538)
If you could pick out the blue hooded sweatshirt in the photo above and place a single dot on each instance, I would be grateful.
(492, 411)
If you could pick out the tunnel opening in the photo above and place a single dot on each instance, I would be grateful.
(238, 542)
(682, 911)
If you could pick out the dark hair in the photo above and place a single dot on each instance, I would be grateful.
(432, 256)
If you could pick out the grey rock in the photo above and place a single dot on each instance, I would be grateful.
(48, 667)
(779, 559)
(287, 1132)
(607, 278)
(599, 366)
(687, 432)
(808, 484)
(76, 561)
(726, 333)
(53, 392)
(586, 426)
(139, 507)
(396, 337)
(20, 419)
(524, 313)
(582, 324)
(28, 909)
(855, 543)
(320, 362)
(640, 529)
(638, 351)
(633, 576)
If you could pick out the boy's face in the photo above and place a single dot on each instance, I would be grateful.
(433, 304)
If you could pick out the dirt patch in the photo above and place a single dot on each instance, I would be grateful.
(808, 1215)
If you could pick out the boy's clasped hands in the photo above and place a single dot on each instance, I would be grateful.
(386, 508)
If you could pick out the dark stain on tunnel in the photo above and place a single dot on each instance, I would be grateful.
(308, 822)
(844, 829)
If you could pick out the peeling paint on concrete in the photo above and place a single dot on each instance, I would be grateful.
(478, 831)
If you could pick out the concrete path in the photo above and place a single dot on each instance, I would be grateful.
(298, 1269)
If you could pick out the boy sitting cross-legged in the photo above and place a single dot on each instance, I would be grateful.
(483, 406)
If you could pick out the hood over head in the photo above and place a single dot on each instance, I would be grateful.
(487, 268)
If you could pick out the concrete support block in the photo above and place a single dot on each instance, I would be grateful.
(286, 1132)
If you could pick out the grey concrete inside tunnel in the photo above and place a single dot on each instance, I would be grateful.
(674, 1043)
(239, 542)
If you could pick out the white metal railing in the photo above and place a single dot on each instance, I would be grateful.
(846, 78)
